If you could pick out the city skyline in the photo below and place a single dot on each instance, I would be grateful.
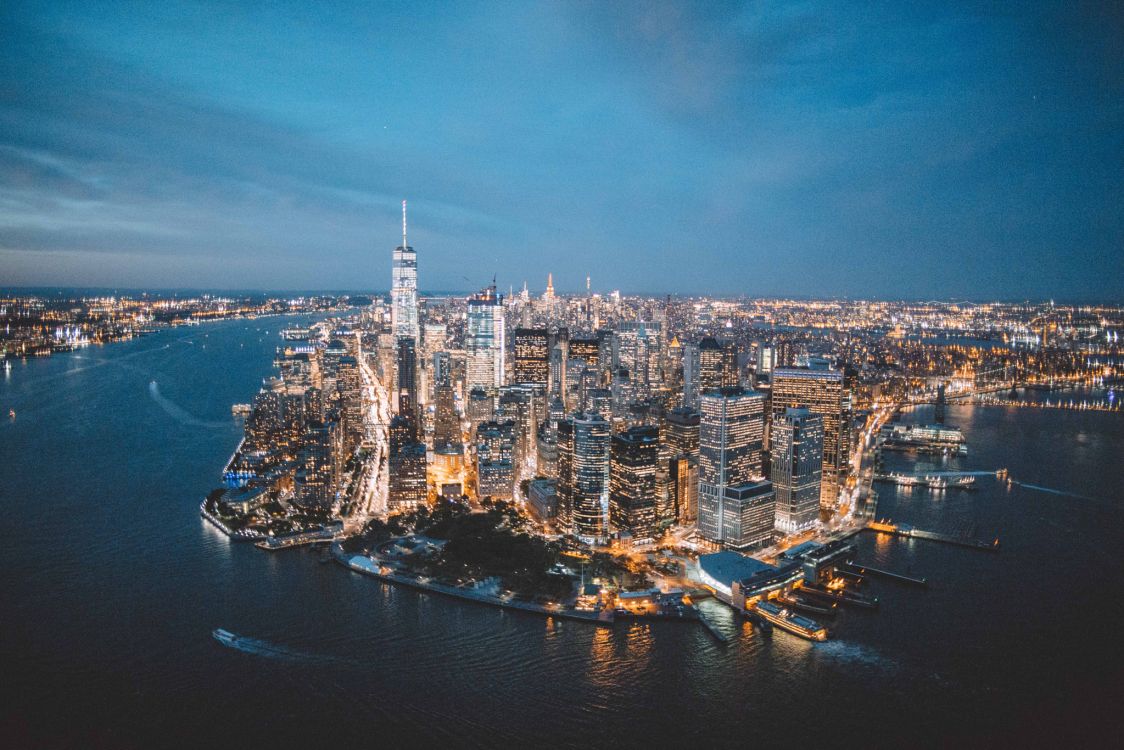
(916, 153)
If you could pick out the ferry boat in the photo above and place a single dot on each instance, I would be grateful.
(788, 620)
(225, 637)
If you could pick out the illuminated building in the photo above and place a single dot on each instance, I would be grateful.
(407, 378)
(484, 342)
(748, 514)
(542, 498)
(822, 393)
(683, 487)
(349, 385)
(318, 466)
(583, 475)
(404, 288)
(447, 423)
(634, 455)
(407, 478)
(731, 440)
(718, 365)
(495, 467)
(691, 384)
(531, 363)
(797, 468)
(517, 404)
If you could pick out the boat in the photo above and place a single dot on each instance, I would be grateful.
(11, 413)
(807, 608)
(787, 620)
(225, 637)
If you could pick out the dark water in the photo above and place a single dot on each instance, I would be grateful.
(112, 584)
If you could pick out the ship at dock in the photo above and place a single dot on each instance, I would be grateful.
(789, 621)
(931, 438)
(937, 481)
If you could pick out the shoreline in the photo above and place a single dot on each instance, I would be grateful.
(366, 566)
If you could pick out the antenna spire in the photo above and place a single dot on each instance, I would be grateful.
(404, 245)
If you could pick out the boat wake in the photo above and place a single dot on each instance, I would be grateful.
(269, 650)
(1051, 490)
(176, 412)
(857, 654)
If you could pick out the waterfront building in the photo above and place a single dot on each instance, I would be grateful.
(318, 466)
(484, 341)
(495, 467)
(731, 438)
(634, 456)
(822, 392)
(583, 475)
(748, 514)
(797, 468)
(404, 288)
(532, 354)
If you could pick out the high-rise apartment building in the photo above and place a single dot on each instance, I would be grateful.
(495, 459)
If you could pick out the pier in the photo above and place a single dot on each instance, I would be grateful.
(884, 527)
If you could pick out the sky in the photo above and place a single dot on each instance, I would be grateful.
(893, 150)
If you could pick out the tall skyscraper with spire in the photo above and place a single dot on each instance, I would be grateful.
(404, 288)
(548, 295)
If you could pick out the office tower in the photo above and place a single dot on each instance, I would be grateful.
(634, 455)
(546, 442)
(587, 350)
(542, 498)
(766, 360)
(748, 513)
(531, 356)
(797, 467)
(556, 372)
(446, 423)
(479, 408)
(691, 375)
(517, 404)
(407, 482)
(548, 295)
(822, 392)
(683, 487)
(583, 475)
(484, 341)
(404, 288)
(407, 378)
(731, 440)
(681, 432)
(718, 365)
(349, 387)
(442, 366)
(638, 347)
(623, 392)
(495, 467)
(400, 431)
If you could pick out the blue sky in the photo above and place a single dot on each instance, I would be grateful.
(807, 148)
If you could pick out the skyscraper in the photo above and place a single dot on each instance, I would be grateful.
(822, 392)
(495, 467)
(407, 378)
(531, 356)
(484, 341)
(731, 440)
(634, 455)
(797, 467)
(583, 475)
(404, 288)
(718, 365)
